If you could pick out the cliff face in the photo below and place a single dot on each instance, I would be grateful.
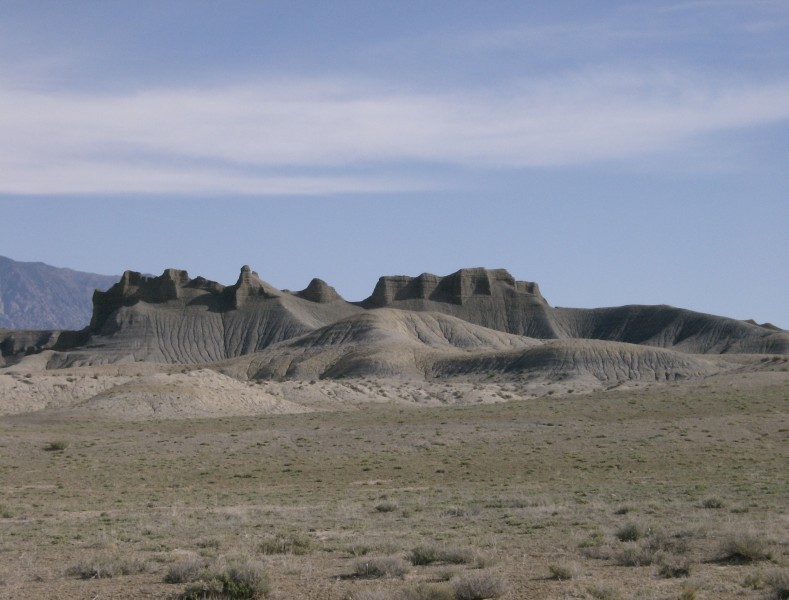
(457, 288)
(319, 291)
(494, 299)
(490, 298)
(175, 287)
(175, 319)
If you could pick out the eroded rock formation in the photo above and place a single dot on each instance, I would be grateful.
(408, 325)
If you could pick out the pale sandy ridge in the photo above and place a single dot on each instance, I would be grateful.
(142, 391)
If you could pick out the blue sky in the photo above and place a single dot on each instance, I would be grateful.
(614, 152)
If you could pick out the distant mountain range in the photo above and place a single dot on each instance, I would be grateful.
(471, 323)
(34, 295)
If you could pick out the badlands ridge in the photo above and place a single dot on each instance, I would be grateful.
(176, 346)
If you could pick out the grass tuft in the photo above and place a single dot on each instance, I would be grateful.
(281, 543)
(370, 595)
(712, 502)
(243, 581)
(429, 554)
(630, 533)
(688, 593)
(478, 586)
(561, 572)
(424, 555)
(387, 566)
(636, 555)
(385, 507)
(106, 567)
(604, 592)
(744, 548)
(778, 582)
(185, 571)
(427, 591)
(672, 569)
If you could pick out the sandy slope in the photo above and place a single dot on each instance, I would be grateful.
(145, 391)
(386, 355)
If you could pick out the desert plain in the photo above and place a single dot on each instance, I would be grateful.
(651, 490)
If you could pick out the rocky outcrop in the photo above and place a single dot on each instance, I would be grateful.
(457, 288)
(319, 291)
(249, 288)
(494, 299)
(769, 326)
(133, 287)
(490, 298)
(174, 319)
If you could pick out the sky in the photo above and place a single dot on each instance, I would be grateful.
(631, 152)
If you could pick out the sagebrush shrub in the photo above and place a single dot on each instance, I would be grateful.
(744, 548)
(428, 554)
(629, 533)
(427, 591)
(105, 567)
(561, 572)
(423, 555)
(688, 593)
(478, 586)
(778, 582)
(186, 570)
(385, 507)
(387, 566)
(712, 502)
(370, 595)
(636, 555)
(282, 543)
(243, 581)
(203, 590)
(670, 569)
(604, 592)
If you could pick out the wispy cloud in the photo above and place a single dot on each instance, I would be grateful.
(273, 138)
(621, 31)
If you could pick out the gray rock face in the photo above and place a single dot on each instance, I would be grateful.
(456, 288)
(490, 298)
(319, 291)
(174, 319)
(135, 287)
(495, 300)
(250, 287)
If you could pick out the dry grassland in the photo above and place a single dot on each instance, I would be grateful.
(658, 492)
